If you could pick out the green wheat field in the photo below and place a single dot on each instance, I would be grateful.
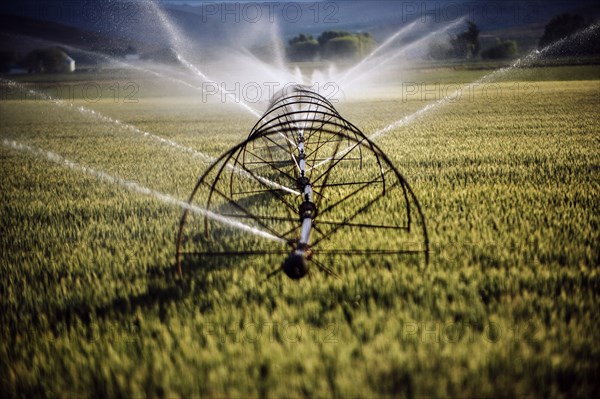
(508, 176)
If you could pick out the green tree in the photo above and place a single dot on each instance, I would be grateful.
(329, 35)
(347, 47)
(565, 25)
(301, 38)
(330, 44)
(46, 60)
(561, 26)
(463, 45)
(502, 49)
(440, 50)
(366, 43)
(466, 44)
(302, 48)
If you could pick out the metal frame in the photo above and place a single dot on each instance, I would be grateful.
(317, 174)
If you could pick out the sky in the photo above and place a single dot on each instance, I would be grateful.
(379, 17)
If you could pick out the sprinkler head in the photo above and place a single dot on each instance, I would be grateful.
(295, 266)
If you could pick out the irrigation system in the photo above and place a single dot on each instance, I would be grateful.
(315, 183)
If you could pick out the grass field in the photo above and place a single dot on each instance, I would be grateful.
(508, 176)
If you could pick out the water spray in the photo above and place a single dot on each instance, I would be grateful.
(400, 52)
(135, 187)
(523, 61)
(106, 119)
(175, 39)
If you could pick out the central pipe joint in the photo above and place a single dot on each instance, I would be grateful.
(302, 182)
(307, 210)
(298, 143)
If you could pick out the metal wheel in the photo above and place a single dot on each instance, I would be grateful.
(306, 187)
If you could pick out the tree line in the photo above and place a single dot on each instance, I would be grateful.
(351, 46)
(466, 45)
(330, 45)
(53, 59)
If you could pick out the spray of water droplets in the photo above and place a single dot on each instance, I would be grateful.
(137, 188)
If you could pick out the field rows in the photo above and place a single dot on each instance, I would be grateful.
(507, 306)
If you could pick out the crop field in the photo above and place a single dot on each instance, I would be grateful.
(508, 177)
